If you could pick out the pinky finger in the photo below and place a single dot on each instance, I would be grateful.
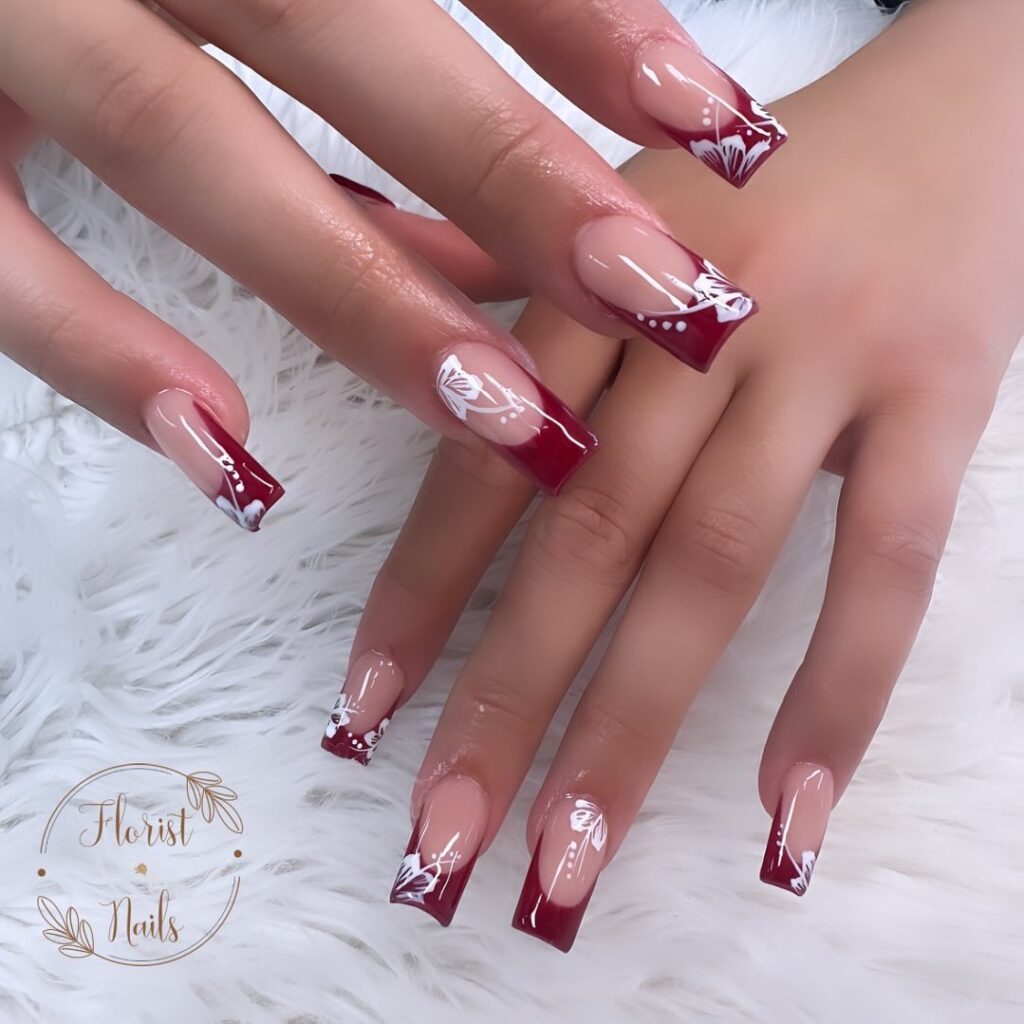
(65, 324)
(894, 516)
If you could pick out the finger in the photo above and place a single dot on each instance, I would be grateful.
(703, 572)
(525, 188)
(183, 140)
(62, 322)
(579, 556)
(894, 515)
(451, 252)
(468, 503)
(630, 65)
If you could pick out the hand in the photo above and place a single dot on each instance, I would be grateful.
(889, 283)
(166, 126)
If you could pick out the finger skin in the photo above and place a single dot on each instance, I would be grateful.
(524, 186)
(62, 322)
(701, 575)
(181, 138)
(894, 515)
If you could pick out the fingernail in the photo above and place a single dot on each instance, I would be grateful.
(566, 862)
(799, 828)
(191, 436)
(699, 106)
(504, 404)
(443, 848)
(360, 191)
(364, 708)
(660, 288)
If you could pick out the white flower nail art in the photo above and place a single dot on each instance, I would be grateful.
(735, 155)
(464, 392)
(417, 879)
(589, 819)
(803, 879)
(248, 517)
(730, 157)
(715, 289)
(341, 714)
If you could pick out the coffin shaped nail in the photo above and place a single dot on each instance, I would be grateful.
(798, 829)
(364, 708)
(443, 848)
(360, 191)
(563, 872)
(192, 437)
(504, 404)
(661, 289)
(708, 113)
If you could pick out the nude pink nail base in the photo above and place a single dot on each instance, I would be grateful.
(798, 828)
(190, 435)
(361, 191)
(563, 873)
(443, 849)
(526, 423)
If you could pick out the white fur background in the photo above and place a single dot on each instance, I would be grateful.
(136, 623)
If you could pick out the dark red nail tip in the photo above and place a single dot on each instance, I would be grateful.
(778, 867)
(247, 491)
(355, 746)
(558, 450)
(738, 149)
(429, 887)
(544, 919)
(363, 191)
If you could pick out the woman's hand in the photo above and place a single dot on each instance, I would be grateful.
(884, 246)
(166, 126)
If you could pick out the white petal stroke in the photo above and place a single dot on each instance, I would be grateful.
(730, 157)
(456, 387)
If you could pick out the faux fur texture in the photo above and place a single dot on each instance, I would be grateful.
(138, 624)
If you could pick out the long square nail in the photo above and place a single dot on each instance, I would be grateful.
(364, 708)
(526, 423)
(192, 437)
(443, 848)
(563, 872)
(704, 110)
(798, 829)
(661, 289)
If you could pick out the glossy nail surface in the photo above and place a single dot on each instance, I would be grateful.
(699, 106)
(504, 404)
(192, 437)
(661, 289)
(443, 848)
(798, 829)
(364, 708)
(361, 192)
(562, 875)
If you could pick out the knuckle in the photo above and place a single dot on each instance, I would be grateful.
(587, 530)
(610, 729)
(508, 149)
(909, 551)
(350, 284)
(719, 546)
(274, 15)
(496, 704)
(480, 466)
(134, 107)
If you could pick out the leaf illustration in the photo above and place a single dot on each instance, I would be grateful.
(72, 921)
(53, 935)
(50, 913)
(72, 934)
(85, 936)
(208, 795)
(75, 952)
(231, 818)
(196, 785)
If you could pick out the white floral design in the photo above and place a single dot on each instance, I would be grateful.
(766, 122)
(417, 880)
(731, 157)
(464, 392)
(715, 289)
(341, 714)
(372, 738)
(803, 879)
(589, 819)
(249, 517)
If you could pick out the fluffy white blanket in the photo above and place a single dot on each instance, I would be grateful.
(138, 625)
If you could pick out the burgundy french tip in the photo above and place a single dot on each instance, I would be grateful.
(443, 848)
(192, 437)
(661, 289)
(705, 111)
(364, 708)
(563, 873)
(527, 424)
(798, 828)
(361, 190)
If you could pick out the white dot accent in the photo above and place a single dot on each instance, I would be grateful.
(680, 325)
(653, 322)
(711, 99)
(707, 122)
(640, 316)
(666, 325)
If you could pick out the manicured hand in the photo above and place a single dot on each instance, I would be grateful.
(889, 281)
(123, 86)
